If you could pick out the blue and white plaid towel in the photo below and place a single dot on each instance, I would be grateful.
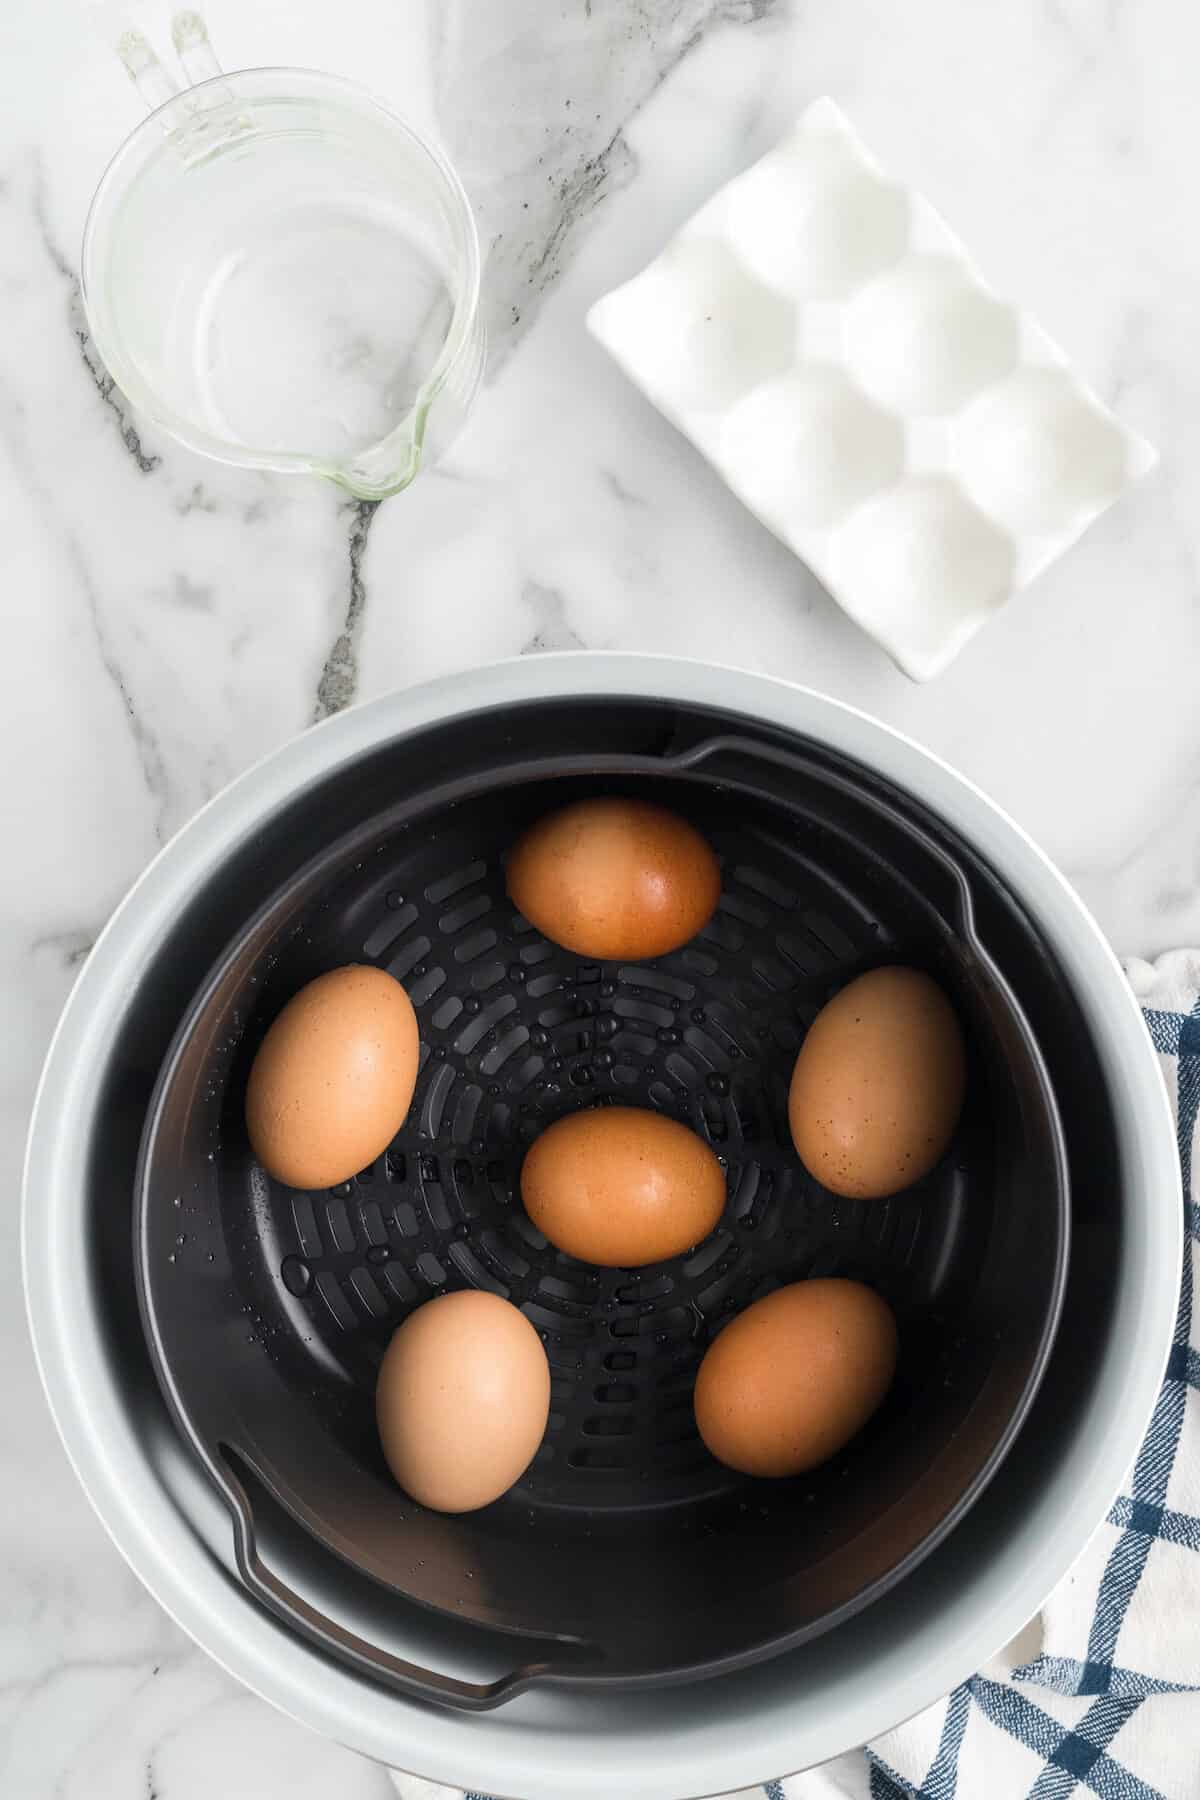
(1102, 1695)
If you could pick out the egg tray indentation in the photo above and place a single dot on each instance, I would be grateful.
(516, 1032)
(819, 333)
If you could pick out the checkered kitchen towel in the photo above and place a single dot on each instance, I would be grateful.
(1102, 1695)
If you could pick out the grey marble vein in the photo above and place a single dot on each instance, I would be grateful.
(552, 630)
(619, 491)
(192, 596)
(71, 947)
(535, 120)
(102, 381)
(197, 499)
(338, 681)
(146, 745)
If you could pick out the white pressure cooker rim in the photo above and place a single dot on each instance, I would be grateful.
(671, 1747)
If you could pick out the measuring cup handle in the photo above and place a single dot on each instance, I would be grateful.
(153, 81)
(189, 34)
(140, 59)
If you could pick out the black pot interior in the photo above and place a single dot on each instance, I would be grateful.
(626, 1552)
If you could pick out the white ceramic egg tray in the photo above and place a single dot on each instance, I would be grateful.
(820, 334)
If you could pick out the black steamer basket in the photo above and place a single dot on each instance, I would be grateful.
(626, 1554)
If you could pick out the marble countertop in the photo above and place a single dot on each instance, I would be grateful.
(167, 620)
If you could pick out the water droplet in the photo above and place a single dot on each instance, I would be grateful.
(211, 1257)
(517, 974)
(607, 989)
(581, 1077)
(181, 1240)
(698, 1015)
(376, 1253)
(473, 1004)
(539, 1039)
(171, 1256)
(667, 1036)
(296, 1276)
(718, 1084)
(178, 1201)
(421, 969)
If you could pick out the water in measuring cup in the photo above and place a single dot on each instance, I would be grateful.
(315, 328)
(285, 276)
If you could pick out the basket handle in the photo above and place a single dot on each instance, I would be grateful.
(397, 1674)
(732, 744)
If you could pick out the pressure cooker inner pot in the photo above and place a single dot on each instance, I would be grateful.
(626, 1551)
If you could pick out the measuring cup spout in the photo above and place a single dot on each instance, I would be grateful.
(425, 435)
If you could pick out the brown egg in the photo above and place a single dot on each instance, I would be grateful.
(795, 1376)
(878, 1084)
(621, 1187)
(614, 879)
(462, 1400)
(333, 1078)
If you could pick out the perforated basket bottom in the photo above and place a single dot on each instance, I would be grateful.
(516, 1032)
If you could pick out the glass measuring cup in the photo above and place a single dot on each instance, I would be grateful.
(280, 272)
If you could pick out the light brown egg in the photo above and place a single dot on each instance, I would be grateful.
(333, 1079)
(621, 1187)
(462, 1400)
(878, 1085)
(614, 879)
(795, 1376)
